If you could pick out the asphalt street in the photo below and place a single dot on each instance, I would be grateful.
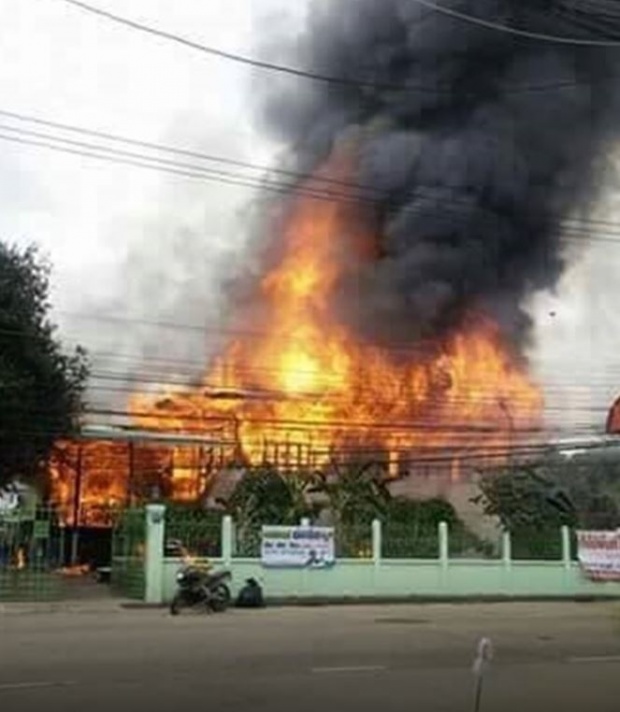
(363, 658)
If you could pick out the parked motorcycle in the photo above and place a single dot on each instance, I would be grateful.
(199, 587)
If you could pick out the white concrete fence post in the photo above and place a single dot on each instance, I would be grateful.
(566, 548)
(506, 550)
(227, 541)
(444, 544)
(154, 553)
(444, 553)
(377, 536)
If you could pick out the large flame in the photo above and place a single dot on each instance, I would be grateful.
(300, 388)
(305, 385)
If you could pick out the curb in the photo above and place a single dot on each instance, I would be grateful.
(118, 606)
(409, 600)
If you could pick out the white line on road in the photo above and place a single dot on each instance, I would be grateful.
(595, 659)
(351, 668)
(32, 685)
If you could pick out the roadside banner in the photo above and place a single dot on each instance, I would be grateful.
(599, 554)
(297, 547)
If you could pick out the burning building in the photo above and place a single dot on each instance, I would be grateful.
(433, 165)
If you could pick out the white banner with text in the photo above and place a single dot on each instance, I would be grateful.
(297, 547)
(599, 554)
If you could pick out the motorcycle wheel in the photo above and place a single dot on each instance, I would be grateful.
(175, 606)
(220, 598)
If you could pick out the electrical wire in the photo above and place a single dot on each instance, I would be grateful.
(499, 27)
(315, 76)
(574, 231)
(237, 58)
(315, 179)
(188, 153)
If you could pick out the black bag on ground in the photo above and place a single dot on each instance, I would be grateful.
(251, 595)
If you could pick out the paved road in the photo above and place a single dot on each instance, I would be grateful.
(548, 657)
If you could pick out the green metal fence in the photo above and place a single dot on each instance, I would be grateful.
(353, 541)
(536, 544)
(31, 554)
(193, 532)
(409, 541)
(128, 549)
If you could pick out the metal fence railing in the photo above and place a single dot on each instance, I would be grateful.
(200, 534)
(193, 533)
(31, 555)
(353, 541)
(128, 548)
(400, 541)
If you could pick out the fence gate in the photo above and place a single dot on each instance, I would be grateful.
(128, 549)
(31, 554)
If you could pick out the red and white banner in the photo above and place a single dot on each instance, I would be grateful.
(599, 555)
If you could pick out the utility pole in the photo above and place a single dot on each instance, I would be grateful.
(77, 497)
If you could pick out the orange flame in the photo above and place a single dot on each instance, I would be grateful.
(305, 388)
(316, 389)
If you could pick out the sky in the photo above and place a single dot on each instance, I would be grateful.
(121, 239)
(143, 244)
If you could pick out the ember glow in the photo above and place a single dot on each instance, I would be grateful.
(300, 389)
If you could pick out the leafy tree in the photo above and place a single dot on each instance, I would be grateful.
(355, 493)
(265, 496)
(41, 386)
(580, 492)
(529, 503)
(592, 483)
(411, 529)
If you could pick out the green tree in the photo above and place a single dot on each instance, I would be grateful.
(265, 496)
(354, 493)
(411, 529)
(41, 386)
(592, 484)
(530, 504)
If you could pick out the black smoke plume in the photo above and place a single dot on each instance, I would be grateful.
(473, 147)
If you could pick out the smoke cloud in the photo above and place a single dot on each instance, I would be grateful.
(473, 147)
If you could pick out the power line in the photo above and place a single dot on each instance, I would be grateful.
(507, 29)
(118, 156)
(297, 175)
(240, 59)
(315, 76)
(313, 178)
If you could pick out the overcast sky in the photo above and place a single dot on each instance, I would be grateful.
(135, 241)
(123, 239)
